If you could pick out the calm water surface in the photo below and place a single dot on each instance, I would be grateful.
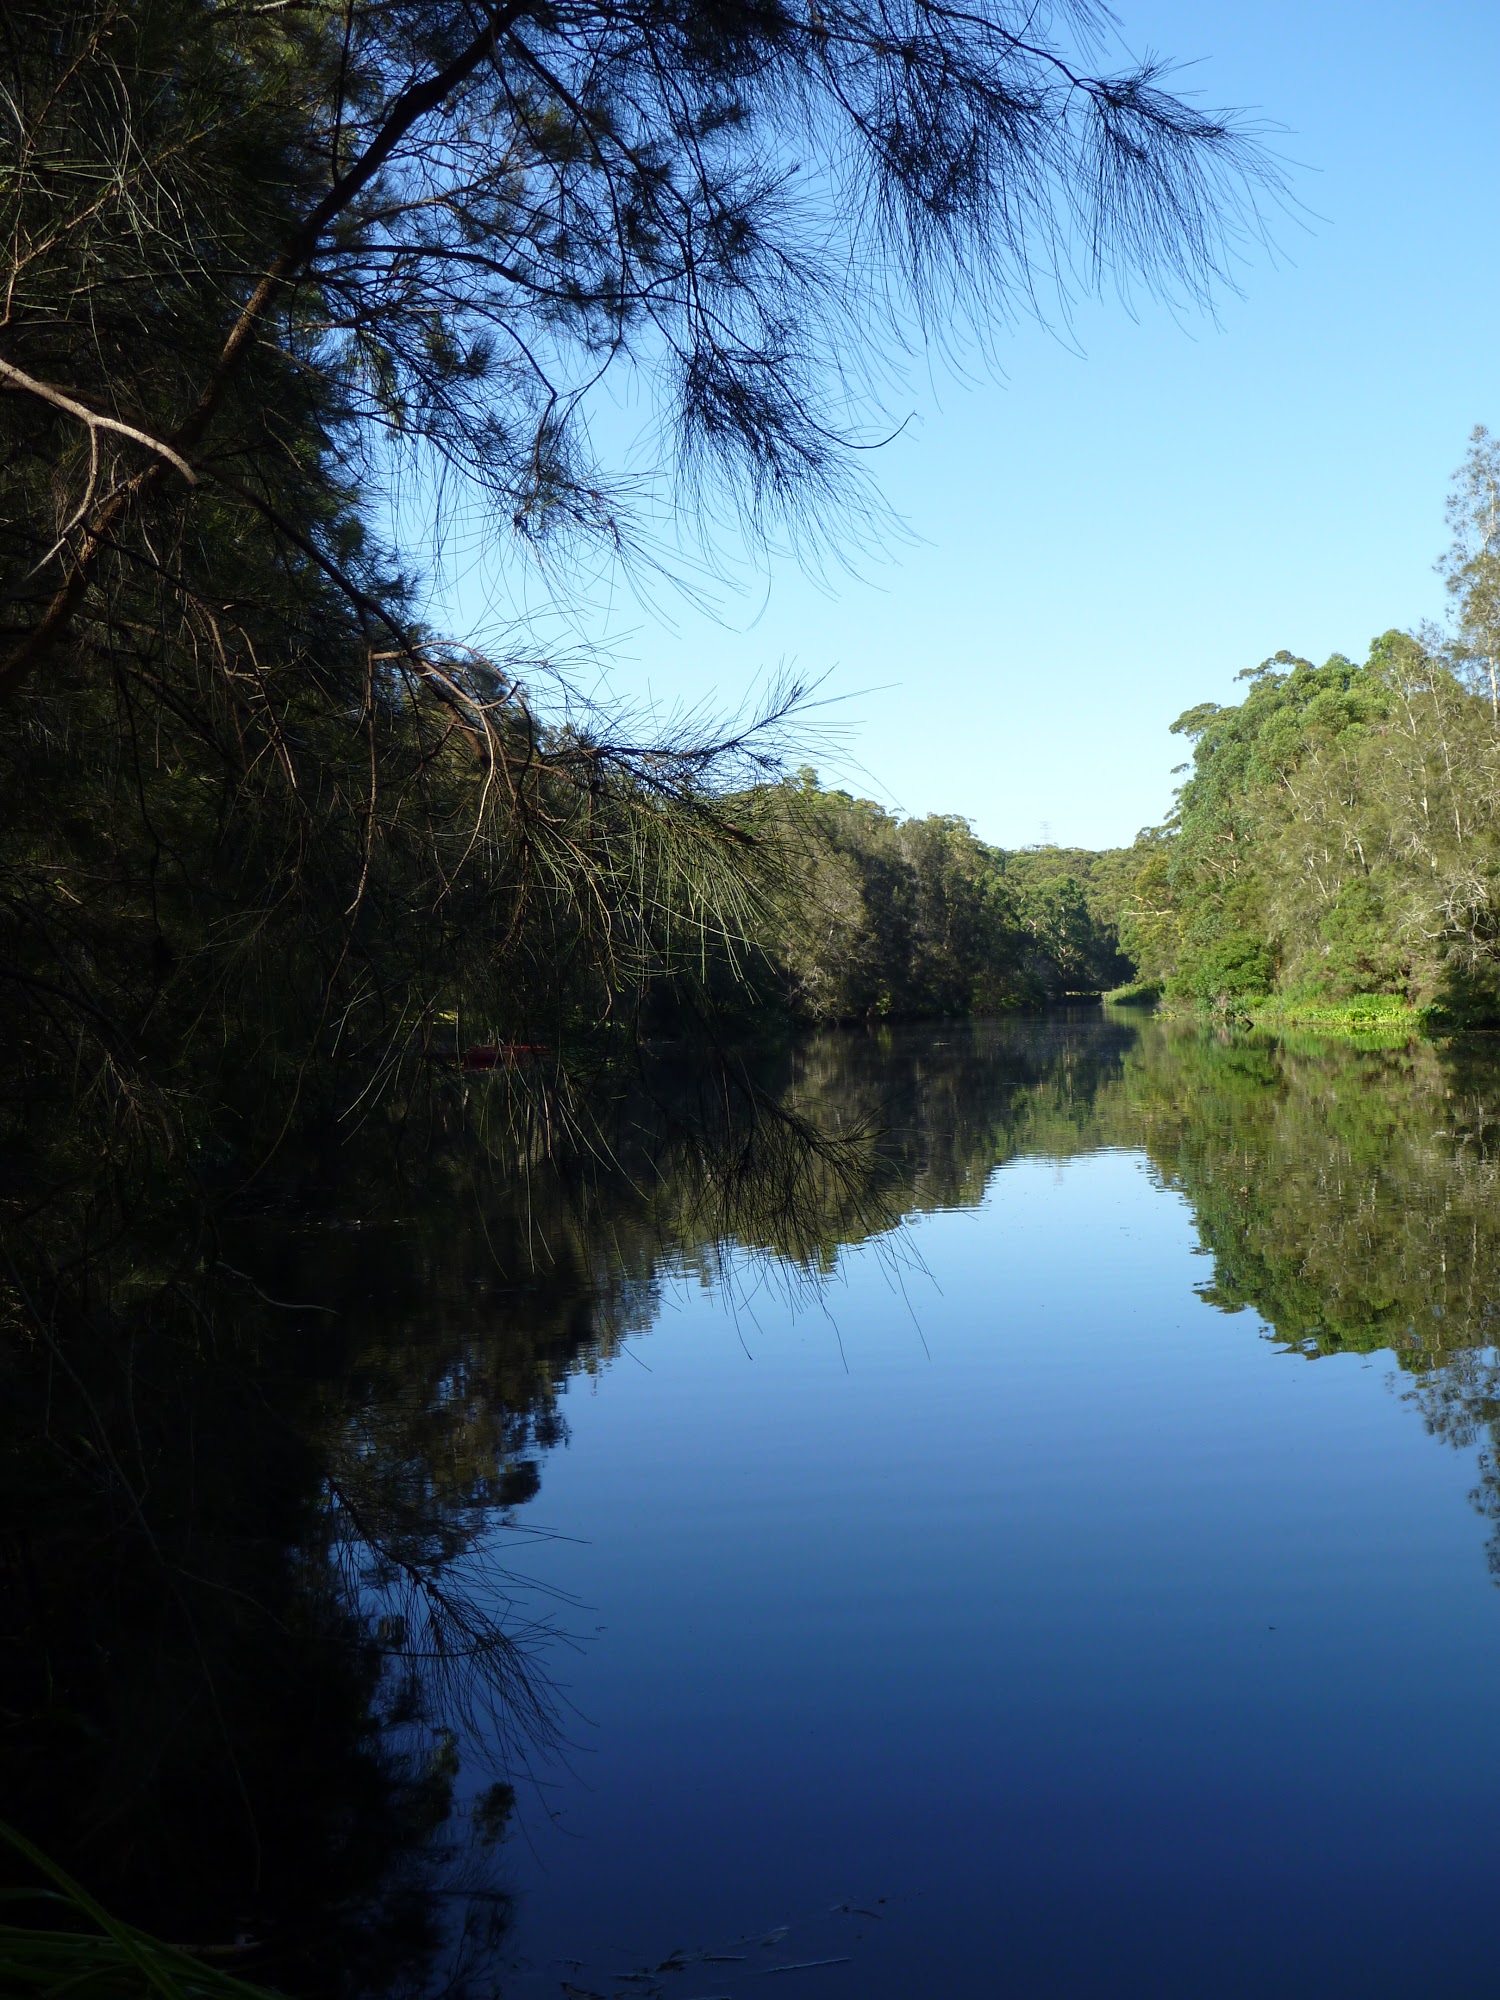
(1039, 1541)
(1076, 1593)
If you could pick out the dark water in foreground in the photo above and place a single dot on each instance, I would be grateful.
(1048, 1552)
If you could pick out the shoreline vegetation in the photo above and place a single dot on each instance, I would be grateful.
(313, 912)
(306, 904)
(1332, 863)
(1383, 1020)
(1333, 857)
(79, 1945)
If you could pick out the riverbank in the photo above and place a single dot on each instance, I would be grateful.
(1367, 1017)
(1373, 1019)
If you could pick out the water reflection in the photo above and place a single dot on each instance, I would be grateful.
(266, 1676)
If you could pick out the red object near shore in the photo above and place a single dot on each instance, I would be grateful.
(500, 1055)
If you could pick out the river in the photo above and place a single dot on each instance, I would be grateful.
(1070, 1594)
(1042, 1545)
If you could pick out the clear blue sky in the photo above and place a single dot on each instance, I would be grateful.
(1111, 533)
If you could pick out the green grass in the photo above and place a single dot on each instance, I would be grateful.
(1372, 1020)
(1138, 993)
(77, 1947)
(1376, 1020)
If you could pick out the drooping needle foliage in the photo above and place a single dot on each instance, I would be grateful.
(282, 865)
(268, 838)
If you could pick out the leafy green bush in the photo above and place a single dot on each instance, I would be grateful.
(1234, 965)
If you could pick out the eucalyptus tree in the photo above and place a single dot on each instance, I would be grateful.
(1471, 568)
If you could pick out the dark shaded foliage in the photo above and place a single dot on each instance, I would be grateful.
(902, 919)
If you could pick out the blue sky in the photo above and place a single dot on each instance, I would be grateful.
(1111, 532)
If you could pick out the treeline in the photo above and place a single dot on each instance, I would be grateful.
(879, 917)
(1338, 839)
(1339, 834)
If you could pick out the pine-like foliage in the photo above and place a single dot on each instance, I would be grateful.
(275, 272)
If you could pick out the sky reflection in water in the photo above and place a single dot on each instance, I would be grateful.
(1054, 1615)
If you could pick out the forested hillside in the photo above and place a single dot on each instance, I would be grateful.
(893, 918)
(1337, 840)
(1339, 834)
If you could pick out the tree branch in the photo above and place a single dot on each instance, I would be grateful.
(19, 379)
(413, 104)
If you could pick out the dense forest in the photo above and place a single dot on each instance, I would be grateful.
(1339, 835)
(885, 918)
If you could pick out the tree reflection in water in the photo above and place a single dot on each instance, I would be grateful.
(264, 1678)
